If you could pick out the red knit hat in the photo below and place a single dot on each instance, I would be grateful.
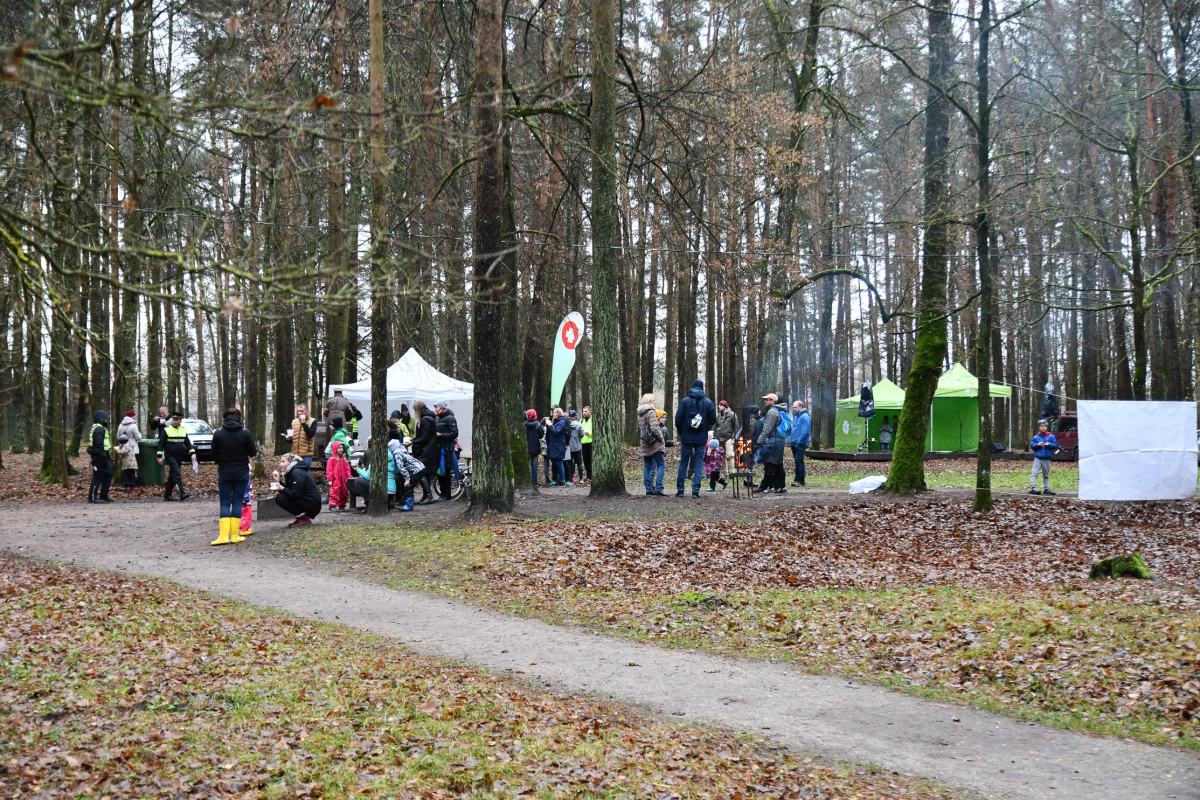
(531, 414)
(130, 414)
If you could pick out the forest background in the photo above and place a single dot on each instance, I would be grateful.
(196, 214)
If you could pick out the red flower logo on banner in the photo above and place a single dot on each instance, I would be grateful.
(570, 335)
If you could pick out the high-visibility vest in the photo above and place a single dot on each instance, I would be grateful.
(107, 439)
(587, 431)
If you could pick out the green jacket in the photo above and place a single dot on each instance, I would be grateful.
(338, 436)
(587, 431)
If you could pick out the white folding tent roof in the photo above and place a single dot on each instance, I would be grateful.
(410, 379)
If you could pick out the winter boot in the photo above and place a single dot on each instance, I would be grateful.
(408, 504)
(224, 537)
(234, 524)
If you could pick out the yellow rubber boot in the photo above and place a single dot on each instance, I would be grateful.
(237, 526)
(224, 537)
(234, 524)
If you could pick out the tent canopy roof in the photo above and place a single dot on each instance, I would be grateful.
(959, 382)
(415, 374)
(888, 397)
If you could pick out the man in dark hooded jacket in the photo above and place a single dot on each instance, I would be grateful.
(694, 418)
(101, 465)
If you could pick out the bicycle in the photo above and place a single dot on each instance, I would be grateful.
(458, 484)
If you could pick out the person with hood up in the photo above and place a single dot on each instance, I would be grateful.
(652, 445)
(127, 451)
(771, 447)
(233, 447)
(447, 437)
(694, 418)
(337, 472)
(337, 433)
(556, 446)
(799, 439)
(425, 447)
(533, 442)
(299, 495)
(101, 464)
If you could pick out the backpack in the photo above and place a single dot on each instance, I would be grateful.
(647, 434)
(697, 420)
(785, 426)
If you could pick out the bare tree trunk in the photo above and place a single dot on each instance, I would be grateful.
(379, 278)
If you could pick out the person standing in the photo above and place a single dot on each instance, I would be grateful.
(299, 494)
(102, 471)
(408, 425)
(337, 406)
(302, 434)
(129, 429)
(652, 445)
(127, 451)
(337, 474)
(233, 447)
(447, 437)
(533, 443)
(174, 446)
(586, 441)
(575, 465)
(771, 447)
(726, 430)
(1044, 445)
(557, 434)
(425, 448)
(801, 434)
(159, 421)
(337, 433)
(694, 418)
(885, 435)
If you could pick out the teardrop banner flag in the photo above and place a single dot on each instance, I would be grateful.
(570, 332)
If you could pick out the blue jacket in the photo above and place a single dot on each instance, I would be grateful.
(365, 472)
(695, 403)
(1043, 446)
(801, 428)
(556, 439)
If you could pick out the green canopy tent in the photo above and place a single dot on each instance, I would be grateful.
(848, 435)
(953, 417)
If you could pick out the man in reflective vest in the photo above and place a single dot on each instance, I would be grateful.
(102, 471)
(586, 441)
(175, 446)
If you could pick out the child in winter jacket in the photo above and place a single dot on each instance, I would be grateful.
(127, 450)
(1043, 446)
(337, 472)
(247, 526)
(714, 456)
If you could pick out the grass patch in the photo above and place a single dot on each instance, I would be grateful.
(121, 687)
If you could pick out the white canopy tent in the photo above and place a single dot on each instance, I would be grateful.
(410, 379)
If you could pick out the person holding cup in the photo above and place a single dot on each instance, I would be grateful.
(301, 435)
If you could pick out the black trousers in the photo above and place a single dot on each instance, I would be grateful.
(295, 507)
(174, 476)
(576, 467)
(102, 474)
(443, 480)
(129, 477)
(361, 487)
(587, 460)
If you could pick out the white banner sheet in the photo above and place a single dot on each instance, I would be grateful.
(1137, 450)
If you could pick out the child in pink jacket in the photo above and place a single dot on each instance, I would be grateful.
(337, 472)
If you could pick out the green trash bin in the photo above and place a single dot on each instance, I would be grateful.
(150, 472)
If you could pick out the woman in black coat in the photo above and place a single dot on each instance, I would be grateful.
(426, 448)
(300, 495)
(232, 448)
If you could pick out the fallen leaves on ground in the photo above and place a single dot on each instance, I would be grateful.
(1024, 544)
(19, 482)
(124, 687)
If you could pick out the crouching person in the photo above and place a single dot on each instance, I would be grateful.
(408, 471)
(298, 493)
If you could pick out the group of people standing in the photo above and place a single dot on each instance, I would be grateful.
(174, 448)
(563, 441)
(706, 441)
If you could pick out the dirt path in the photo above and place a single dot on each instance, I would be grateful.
(955, 745)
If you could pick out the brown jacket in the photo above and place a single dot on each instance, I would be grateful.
(648, 417)
(302, 443)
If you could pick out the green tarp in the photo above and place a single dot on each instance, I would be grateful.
(954, 416)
